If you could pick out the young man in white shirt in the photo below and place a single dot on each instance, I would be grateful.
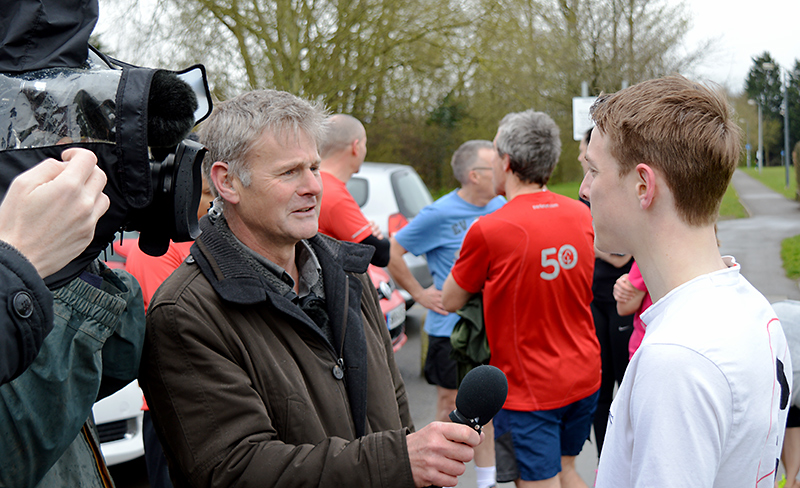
(705, 398)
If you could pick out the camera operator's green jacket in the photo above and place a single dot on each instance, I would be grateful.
(46, 433)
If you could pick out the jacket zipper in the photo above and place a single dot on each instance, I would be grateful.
(100, 463)
(340, 361)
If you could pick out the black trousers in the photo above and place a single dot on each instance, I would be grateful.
(157, 470)
(613, 333)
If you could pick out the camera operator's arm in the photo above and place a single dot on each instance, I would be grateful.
(46, 219)
(27, 316)
(95, 344)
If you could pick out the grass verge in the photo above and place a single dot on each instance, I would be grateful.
(730, 208)
(790, 254)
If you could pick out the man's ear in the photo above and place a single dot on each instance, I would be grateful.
(354, 147)
(223, 181)
(473, 177)
(645, 184)
(505, 162)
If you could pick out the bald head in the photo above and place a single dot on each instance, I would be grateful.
(342, 131)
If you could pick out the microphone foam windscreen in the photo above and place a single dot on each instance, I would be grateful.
(482, 393)
(170, 110)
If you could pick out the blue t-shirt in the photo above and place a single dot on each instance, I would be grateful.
(437, 231)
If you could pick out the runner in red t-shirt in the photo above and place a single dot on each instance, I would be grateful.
(533, 261)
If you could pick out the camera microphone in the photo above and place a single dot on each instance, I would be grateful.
(481, 395)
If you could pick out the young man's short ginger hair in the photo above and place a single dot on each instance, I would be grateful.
(682, 129)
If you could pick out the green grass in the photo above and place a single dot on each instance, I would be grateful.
(775, 178)
(569, 189)
(790, 253)
(730, 208)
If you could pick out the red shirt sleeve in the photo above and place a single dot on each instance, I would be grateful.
(339, 215)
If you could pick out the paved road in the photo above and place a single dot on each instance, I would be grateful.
(755, 242)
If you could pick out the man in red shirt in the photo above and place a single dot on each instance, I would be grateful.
(342, 151)
(533, 261)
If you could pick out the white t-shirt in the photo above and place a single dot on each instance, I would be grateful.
(702, 404)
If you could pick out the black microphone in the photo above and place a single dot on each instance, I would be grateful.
(481, 395)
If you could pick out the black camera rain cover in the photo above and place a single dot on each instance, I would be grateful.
(37, 34)
(55, 93)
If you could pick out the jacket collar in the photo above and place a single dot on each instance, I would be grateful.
(237, 282)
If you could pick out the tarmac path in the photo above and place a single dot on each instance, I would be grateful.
(755, 242)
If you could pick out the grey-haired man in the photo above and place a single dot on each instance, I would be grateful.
(267, 360)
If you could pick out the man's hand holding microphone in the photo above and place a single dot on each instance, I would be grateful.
(439, 451)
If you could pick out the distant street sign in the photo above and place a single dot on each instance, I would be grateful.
(581, 122)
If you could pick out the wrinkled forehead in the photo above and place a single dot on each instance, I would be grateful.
(285, 138)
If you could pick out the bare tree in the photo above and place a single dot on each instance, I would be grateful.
(424, 75)
(356, 55)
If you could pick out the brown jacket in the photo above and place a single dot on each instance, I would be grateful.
(241, 384)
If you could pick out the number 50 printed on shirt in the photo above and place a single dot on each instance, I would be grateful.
(565, 257)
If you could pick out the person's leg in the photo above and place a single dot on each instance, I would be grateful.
(600, 420)
(537, 447)
(484, 453)
(445, 403)
(441, 371)
(505, 456)
(485, 471)
(790, 456)
(569, 477)
(576, 424)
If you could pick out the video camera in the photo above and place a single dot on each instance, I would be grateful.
(135, 120)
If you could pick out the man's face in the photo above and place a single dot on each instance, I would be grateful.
(610, 195)
(498, 173)
(281, 205)
(484, 168)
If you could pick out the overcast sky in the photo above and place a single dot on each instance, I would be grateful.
(744, 29)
